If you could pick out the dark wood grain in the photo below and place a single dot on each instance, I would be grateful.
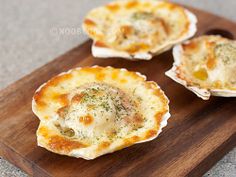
(198, 134)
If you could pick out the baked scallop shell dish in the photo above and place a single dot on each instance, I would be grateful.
(137, 29)
(91, 111)
(206, 65)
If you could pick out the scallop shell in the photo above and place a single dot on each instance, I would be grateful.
(107, 52)
(204, 93)
(45, 107)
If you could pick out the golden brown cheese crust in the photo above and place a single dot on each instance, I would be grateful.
(58, 143)
(61, 144)
(105, 26)
(39, 96)
(54, 99)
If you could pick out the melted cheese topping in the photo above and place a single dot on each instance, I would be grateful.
(210, 62)
(88, 112)
(137, 26)
(100, 111)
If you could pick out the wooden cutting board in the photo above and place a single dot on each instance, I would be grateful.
(198, 134)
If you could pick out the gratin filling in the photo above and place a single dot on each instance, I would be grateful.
(213, 64)
(138, 28)
(138, 32)
(106, 111)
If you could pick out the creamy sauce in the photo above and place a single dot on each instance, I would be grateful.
(100, 111)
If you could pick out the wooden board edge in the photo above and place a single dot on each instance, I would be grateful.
(20, 162)
(214, 157)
